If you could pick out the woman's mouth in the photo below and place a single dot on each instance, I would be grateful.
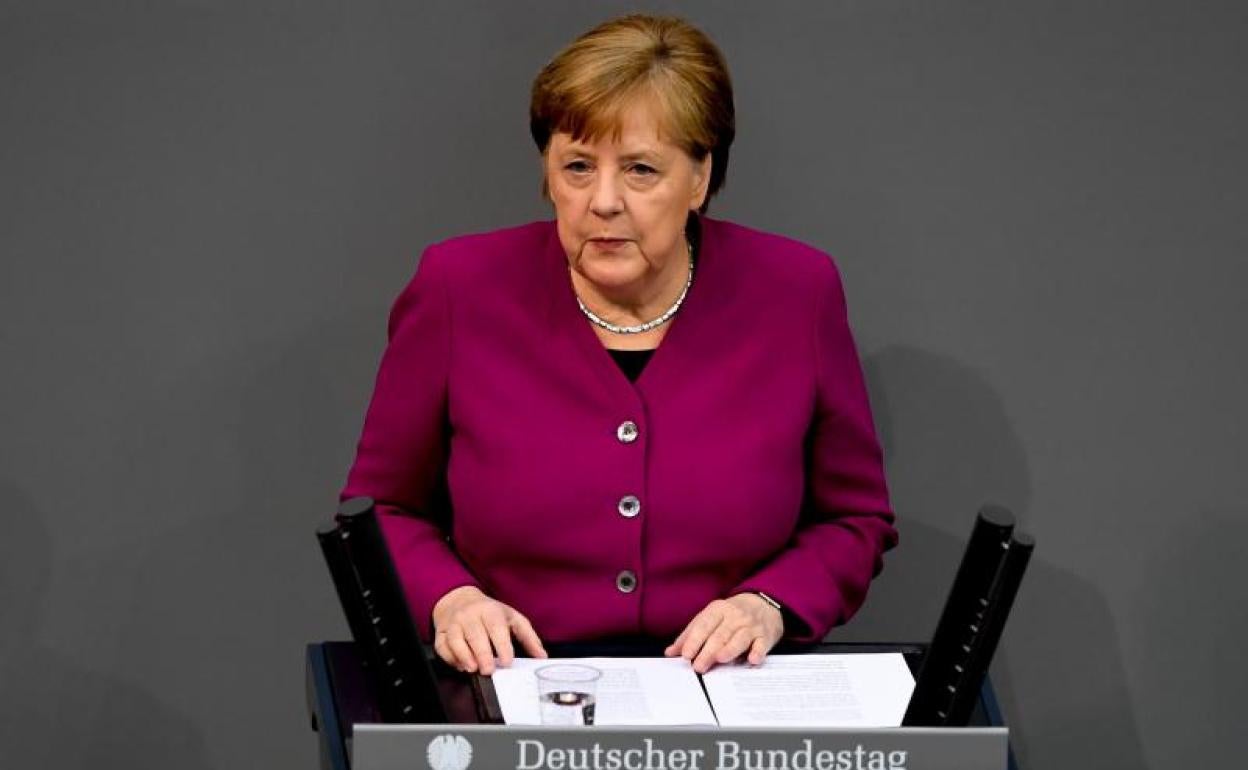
(609, 244)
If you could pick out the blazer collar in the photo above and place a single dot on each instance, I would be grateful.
(663, 369)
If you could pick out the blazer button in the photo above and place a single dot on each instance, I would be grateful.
(626, 581)
(627, 432)
(629, 506)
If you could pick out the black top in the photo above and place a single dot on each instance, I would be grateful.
(631, 362)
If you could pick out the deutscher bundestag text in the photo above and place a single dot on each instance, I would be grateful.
(728, 755)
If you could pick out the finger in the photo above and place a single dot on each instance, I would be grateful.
(699, 630)
(739, 643)
(714, 643)
(440, 647)
(674, 647)
(528, 638)
(500, 637)
(482, 650)
(463, 657)
(758, 652)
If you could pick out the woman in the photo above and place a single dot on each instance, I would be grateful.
(634, 419)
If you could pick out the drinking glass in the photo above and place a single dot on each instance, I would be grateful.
(567, 693)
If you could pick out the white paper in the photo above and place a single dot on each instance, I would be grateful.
(631, 692)
(854, 690)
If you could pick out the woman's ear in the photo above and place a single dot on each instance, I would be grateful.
(701, 182)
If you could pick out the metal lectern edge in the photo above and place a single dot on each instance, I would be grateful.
(333, 749)
(992, 712)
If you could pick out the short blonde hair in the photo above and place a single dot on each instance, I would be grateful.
(585, 89)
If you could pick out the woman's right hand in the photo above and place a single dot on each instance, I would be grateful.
(470, 629)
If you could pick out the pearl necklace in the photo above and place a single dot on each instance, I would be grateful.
(648, 325)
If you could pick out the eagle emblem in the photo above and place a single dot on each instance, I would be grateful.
(449, 752)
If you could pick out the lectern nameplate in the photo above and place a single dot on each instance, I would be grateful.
(497, 747)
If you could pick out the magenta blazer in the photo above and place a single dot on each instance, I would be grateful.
(506, 449)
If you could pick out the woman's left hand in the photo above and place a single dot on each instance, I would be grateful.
(727, 628)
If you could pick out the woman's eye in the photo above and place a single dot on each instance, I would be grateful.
(577, 167)
(642, 169)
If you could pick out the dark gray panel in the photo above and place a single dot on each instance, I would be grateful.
(208, 206)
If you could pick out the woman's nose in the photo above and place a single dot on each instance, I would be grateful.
(607, 200)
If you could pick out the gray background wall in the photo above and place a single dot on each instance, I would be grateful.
(207, 208)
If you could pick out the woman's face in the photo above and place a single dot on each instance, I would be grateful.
(621, 202)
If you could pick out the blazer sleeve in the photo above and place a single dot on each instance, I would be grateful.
(821, 577)
(401, 458)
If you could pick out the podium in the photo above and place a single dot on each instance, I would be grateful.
(388, 679)
(339, 695)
